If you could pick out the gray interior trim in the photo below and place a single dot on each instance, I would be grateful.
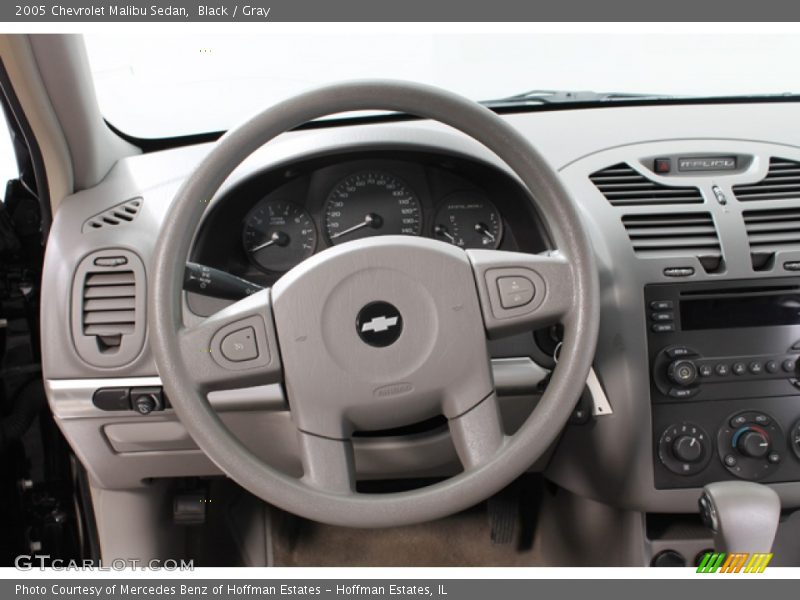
(65, 71)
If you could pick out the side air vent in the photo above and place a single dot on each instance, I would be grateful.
(120, 214)
(108, 304)
(769, 231)
(622, 185)
(675, 235)
(781, 183)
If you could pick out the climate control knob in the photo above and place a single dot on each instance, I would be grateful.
(687, 448)
(753, 444)
(683, 372)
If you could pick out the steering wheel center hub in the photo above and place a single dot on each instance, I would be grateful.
(381, 332)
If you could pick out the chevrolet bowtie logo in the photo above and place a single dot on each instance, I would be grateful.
(378, 324)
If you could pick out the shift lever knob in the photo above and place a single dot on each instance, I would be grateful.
(742, 515)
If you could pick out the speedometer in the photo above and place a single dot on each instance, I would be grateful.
(371, 203)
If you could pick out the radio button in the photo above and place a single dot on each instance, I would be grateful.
(680, 352)
(788, 365)
(663, 305)
(705, 370)
(683, 393)
(772, 366)
(663, 327)
(756, 368)
(722, 369)
(662, 316)
(739, 368)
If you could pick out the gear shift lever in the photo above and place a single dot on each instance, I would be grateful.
(742, 515)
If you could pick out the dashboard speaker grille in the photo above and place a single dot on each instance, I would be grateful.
(675, 235)
(120, 214)
(622, 185)
(769, 231)
(781, 183)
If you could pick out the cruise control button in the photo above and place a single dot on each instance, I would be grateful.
(514, 291)
(240, 345)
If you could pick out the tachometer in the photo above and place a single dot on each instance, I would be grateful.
(468, 220)
(278, 235)
(371, 203)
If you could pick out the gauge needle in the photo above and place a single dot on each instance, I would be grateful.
(484, 230)
(277, 237)
(371, 220)
(442, 231)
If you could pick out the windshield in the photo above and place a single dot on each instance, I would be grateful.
(172, 85)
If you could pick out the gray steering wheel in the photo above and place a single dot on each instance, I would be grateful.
(379, 332)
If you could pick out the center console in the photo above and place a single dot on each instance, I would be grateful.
(724, 381)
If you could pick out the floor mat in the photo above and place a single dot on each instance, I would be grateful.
(462, 540)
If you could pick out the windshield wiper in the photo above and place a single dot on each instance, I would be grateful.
(568, 96)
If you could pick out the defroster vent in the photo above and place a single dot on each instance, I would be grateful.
(671, 235)
(622, 185)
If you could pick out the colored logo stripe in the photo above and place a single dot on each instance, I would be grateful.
(733, 563)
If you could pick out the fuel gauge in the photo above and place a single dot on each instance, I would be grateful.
(468, 220)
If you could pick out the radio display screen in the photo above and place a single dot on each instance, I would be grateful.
(749, 311)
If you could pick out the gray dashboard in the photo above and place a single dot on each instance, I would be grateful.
(609, 459)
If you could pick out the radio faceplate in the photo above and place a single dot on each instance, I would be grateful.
(716, 350)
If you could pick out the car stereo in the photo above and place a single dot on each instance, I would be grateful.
(724, 380)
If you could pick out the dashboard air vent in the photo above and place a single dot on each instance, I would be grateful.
(675, 235)
(622, 185)
(124, 212)
(108, 307)
(781, 183)
(769, 231)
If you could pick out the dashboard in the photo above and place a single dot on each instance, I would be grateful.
(275, 219)
(692, 211)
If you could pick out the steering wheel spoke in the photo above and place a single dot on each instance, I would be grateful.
(328, 464)
(235, 347)
(520, 292)
(478, 433)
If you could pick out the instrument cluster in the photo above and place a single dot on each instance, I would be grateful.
(280, 218)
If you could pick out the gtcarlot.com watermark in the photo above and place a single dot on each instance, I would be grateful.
(26, 562)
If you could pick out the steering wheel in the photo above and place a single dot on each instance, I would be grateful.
(379, 332)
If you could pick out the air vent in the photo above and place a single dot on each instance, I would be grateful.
(675, 235)
(770, 231)
(781, 183)
(120, 214)
(622, 185)
(108, 305)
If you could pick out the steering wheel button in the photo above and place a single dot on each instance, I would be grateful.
(514, 291)
(240, 345)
